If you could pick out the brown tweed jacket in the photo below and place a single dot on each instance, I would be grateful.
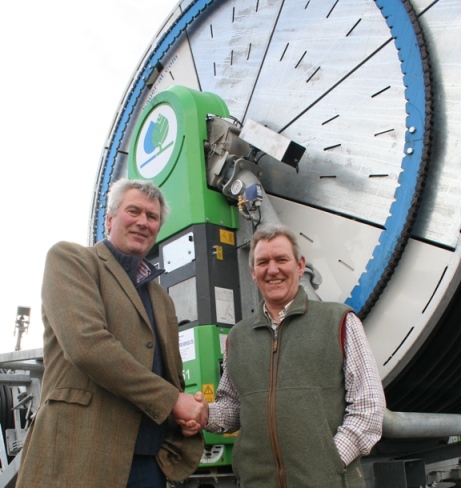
(98, 354)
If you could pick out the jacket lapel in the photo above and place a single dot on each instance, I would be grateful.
(122, 278)
(158, 306)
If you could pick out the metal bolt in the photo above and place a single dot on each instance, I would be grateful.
(412, 129)
(410, 150)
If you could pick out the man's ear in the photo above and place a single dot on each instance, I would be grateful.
(302, 265)
(108, 224)
(252, 271)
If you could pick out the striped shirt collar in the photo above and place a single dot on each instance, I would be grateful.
(143, 271)
(282, 314)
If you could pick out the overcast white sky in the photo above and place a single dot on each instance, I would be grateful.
(65, 67)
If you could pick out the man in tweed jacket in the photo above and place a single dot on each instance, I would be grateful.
(113, 386)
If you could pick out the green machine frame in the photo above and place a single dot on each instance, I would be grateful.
(167, 147)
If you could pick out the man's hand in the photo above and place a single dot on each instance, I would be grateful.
(191, 413)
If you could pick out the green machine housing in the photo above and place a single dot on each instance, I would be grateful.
(202, 351)
(196, 246)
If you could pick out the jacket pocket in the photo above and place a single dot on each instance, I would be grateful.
(70, 395)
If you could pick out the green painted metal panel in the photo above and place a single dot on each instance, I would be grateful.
(202, 350)
(168, 148)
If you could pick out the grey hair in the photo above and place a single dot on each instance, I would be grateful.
(270, 232)
(120, 187)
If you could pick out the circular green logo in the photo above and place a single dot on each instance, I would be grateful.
(156, 141)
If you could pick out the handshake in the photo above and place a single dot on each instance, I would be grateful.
(191, 413)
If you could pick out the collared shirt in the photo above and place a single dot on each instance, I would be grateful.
(143, 271)
(282, 315)
(362, 425)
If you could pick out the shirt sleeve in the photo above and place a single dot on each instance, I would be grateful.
(224, 412)
(362, 425)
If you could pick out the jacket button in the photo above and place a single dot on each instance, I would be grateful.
(152, 413)
(150, 345)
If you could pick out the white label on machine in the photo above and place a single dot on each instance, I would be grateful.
(223, 342)
(225, 311)
(179, 252)
(187, 345)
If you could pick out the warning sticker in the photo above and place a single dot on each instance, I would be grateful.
(219, 253)
(227, 237)
(208, 392)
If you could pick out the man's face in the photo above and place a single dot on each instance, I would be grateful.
(276, 271)
(134, 227)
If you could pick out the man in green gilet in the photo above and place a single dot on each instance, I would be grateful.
(300, 382)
